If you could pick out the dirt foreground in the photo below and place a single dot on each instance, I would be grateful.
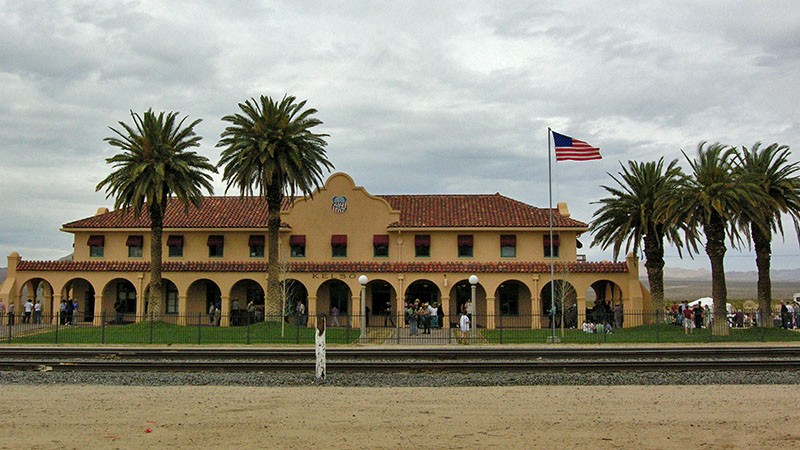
(334, 417)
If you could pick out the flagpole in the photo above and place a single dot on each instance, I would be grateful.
(552, 276)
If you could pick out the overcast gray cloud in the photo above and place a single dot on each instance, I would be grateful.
(418, 97)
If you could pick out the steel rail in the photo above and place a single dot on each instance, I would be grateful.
(399, 366)
(388, 353)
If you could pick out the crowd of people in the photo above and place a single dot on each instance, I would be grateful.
(423, 315)
(603, 318)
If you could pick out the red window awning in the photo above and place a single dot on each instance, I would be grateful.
(297, 239)
(547, 240)
(96, 240)
(423, 240)
(134, 241)
(339, 239)
(175, 240)
(216, 239)
(508, 240)
(256, 240)
(465, 240)
(380, 239)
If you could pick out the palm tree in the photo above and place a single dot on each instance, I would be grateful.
(779, 183)
(155, 165)
(629, 216)
(711, 198)
(270, 150)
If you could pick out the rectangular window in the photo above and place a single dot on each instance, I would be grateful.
(465, 246)
(297, 242)
(135, 245)
(175, 245)
(171, 303)
(339, 246)
(216, 245)
(422, 245)
(547, 243)
(508, 246)
(96, 245)
(256, 246)
(380, 245)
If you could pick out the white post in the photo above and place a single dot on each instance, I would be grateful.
(321, 347)
(363, 281)
(473, 281)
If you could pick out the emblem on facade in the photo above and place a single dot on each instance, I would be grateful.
(339, 204)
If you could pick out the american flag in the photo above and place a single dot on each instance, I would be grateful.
(568, 149)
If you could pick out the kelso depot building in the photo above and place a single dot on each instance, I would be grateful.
(408, 246)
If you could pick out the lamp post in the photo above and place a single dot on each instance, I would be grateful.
(473, 281)
(363, 281)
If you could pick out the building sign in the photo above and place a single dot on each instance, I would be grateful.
(333, 276)
(339, 204)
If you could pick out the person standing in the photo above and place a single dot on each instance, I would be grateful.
(37, 312)
(119, 309)
(334, 316)
(464, 324)
(618, 315)
(387, 314)
(411, 313)
(28, 309)
(2, 310)
(74, 310)
(688, 324)
(11, 314)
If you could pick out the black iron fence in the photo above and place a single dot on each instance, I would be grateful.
(631, 327)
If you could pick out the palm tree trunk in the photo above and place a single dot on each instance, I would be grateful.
(763, 246)
(715, 249)
(273, 300)
(156, 230)
(654, 263)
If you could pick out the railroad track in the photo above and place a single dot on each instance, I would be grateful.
(429, 359)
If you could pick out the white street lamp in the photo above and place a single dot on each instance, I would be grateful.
(473, 281)
(363, 281)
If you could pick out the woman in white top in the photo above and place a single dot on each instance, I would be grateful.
(464, 325)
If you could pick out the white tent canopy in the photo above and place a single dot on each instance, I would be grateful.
(708, 301)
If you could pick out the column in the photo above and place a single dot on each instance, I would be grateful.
(57, 310)
(490, 313)
(312, 312)
(536, 305)
(355, 312)
(224, 321)
(445, 305)
(581, 310)
(183, 310)
(140, 309)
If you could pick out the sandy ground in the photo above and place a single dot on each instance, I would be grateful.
(334, 417)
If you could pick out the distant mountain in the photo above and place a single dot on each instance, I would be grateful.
(3, 271)
(677, 273)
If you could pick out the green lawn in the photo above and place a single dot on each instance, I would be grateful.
(271, 333)
(641, 334)
(165, 333)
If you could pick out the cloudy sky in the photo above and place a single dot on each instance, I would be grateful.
(418, 97)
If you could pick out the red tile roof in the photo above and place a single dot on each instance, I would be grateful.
(336, 266)
(471, 211)
(477, 210)
(214, 212)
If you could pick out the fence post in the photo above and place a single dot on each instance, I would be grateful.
(58, 322)
(248, 328)
(103, 328)
(297, 325)
(199, 327)
(501, 327)
(347, 329)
